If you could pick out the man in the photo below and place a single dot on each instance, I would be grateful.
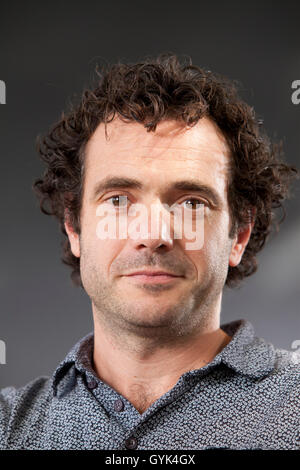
(159, 372)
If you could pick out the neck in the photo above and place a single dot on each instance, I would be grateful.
(142, 369)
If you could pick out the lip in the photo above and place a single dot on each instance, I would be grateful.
(152, 273)
(153, 277)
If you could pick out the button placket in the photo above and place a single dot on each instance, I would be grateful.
(119, 405)
(92, 384)
(131, 443)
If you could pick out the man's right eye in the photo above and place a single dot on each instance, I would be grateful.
(121, 200)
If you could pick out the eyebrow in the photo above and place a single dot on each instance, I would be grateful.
(116, 182)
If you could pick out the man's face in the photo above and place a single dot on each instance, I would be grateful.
(157, 161)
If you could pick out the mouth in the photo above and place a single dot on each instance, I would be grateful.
(152, 277)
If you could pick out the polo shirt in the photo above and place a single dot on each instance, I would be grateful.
(247, 397)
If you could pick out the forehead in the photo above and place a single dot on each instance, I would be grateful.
(170, 151)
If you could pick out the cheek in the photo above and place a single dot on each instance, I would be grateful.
(102, 253)
(216, 229)
(216, 245)
(95, 251)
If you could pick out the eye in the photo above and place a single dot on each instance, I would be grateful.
(194, 202)
(121, 200)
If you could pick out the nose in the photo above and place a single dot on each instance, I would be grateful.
(152, 229)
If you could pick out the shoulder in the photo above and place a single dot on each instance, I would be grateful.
(284, 378)
(20, 407)
(287, 361)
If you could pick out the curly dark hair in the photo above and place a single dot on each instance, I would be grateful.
(149, 92)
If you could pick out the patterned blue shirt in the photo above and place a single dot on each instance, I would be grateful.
(247, 397)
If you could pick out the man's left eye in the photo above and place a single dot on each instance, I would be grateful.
(194, 203)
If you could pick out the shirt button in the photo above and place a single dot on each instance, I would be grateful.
(131, 443)
(119, 405)
(92, 384)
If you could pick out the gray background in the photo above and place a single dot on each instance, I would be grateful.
(48, 52)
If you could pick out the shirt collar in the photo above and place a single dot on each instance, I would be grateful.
(246, 353)
(80, 355)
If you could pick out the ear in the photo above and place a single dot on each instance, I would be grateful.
(73, 236)
(240, 243)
